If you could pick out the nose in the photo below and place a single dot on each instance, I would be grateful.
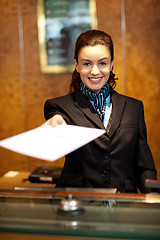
(95, 70)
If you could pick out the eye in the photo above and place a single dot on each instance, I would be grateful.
(102, 63)
(86, 64)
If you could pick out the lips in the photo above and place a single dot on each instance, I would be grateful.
(95, 80)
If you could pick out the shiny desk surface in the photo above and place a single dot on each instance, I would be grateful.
(106, 215)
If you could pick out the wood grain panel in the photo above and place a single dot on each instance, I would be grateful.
(12, 112)
(143, 51)
(10, 236)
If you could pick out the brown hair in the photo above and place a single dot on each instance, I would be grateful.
(92, 38)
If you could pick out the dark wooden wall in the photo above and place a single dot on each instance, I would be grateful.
(134, 27)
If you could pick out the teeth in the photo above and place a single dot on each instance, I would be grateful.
(95, 79)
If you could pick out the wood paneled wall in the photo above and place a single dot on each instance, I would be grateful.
(134, 27)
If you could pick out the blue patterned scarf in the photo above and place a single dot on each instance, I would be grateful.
(99, 99)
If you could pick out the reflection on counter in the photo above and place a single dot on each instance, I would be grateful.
(104, 215)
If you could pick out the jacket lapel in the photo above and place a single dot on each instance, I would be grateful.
(86, 107)
(118, 104)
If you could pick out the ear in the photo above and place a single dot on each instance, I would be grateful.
(76, 64)
(112, 64)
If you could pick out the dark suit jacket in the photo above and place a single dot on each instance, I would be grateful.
(120, 158)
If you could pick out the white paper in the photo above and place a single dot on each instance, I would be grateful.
(51, 143)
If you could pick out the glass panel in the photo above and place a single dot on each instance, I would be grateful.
(101, 218)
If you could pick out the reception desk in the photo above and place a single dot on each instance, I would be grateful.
(37, 214)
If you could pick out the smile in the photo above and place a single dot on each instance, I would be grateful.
(95, 79)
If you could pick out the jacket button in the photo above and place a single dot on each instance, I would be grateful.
(104, 175)
(106, 156)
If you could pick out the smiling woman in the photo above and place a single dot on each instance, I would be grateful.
(121, 158)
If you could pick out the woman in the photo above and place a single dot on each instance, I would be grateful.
(120, 158)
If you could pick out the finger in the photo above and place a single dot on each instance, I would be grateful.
(54, 121)
(57, 120)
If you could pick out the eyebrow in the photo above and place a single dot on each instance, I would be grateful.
(84, 59)
(105, 58)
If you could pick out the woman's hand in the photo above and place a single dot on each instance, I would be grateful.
(55, 120)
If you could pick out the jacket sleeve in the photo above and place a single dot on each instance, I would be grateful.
(51, 108)
(145, 164)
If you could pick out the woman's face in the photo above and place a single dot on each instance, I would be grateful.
(94, 66)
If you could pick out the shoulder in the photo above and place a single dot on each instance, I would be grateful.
(70, 98)
(129, 100)
(61, 100)
(60, 105)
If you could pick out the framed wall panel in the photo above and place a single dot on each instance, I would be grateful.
(59, 24)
